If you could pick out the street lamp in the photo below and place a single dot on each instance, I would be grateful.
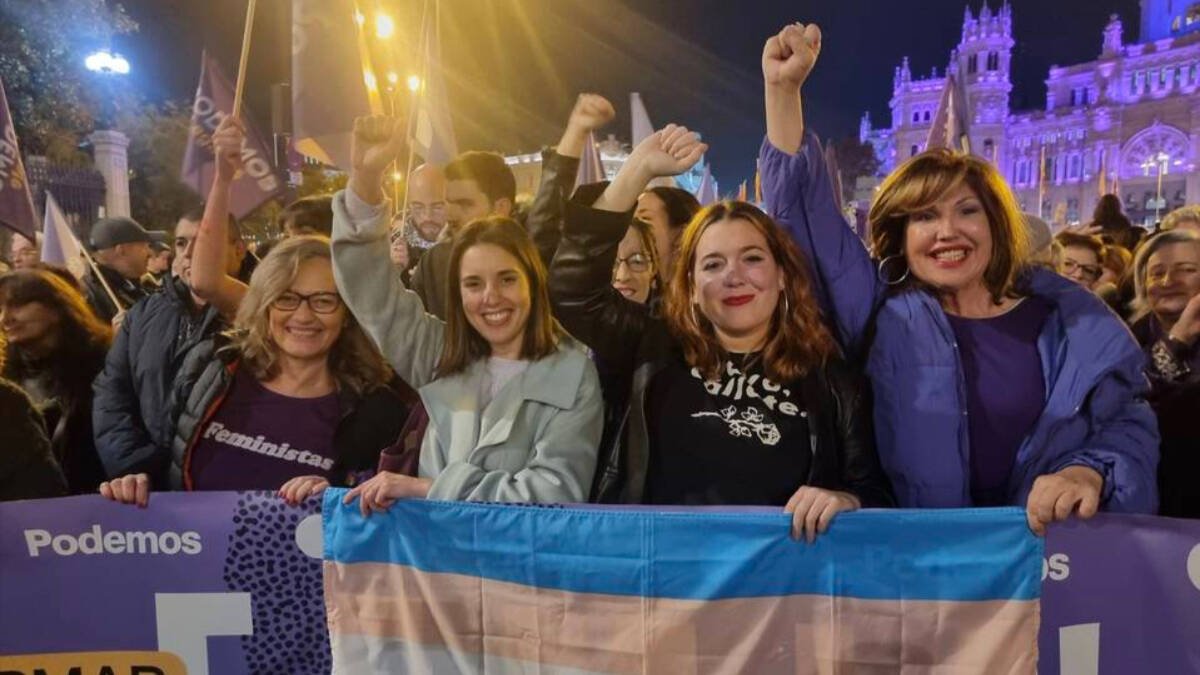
(107, 63)
(385, 26)
(1160, 162)
(414, 83)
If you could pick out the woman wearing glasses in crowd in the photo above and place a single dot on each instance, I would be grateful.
(734, 394)
(994, 383)
(515, 412)
(294, 398)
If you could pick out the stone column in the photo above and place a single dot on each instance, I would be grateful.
(109, 149)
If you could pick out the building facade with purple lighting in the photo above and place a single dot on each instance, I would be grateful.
(1115, 123)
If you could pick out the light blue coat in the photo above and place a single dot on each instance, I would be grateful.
(535, 441)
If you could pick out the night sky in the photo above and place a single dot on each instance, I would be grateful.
(514, 66)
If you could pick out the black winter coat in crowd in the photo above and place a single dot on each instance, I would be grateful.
(1174, 372)
(127, 291)
(635, 344)
(28, 469)
(132, 424)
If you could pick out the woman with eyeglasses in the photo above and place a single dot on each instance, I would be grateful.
(1082, 259)
(994, 383)
(294, 398)
(635, 270)
(514, 404)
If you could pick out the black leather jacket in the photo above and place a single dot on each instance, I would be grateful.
(634, 345)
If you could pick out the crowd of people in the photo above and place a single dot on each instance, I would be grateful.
(617, 342)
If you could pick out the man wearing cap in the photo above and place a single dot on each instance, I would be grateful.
(122, 252)
(130, 411)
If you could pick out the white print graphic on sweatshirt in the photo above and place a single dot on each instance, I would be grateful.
(217, 432)
(749, 422)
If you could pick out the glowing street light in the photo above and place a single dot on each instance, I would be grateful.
(106, 62)
(359, 19)
(1161, 162)
(385, 27)
(414, 83)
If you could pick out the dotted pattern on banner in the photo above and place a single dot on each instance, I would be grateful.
(290, 634)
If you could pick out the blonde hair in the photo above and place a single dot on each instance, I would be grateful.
(354, 360)
(1180, 215)
(798, 339)
(920, 182)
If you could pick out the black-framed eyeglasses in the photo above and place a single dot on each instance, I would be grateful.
(322, 302)
(637, 263)
(1093, 272)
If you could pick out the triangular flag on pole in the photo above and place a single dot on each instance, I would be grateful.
(433, 137)
(1041, 181)
(741, 193)
(951, 123)
(1103, 182)
(640, 119)
(758, 195)
(331, 82)
(258, 182)
(16, 204)
(706, 192)
(59, 246)
(591, 169)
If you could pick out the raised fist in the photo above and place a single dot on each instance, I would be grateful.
(789, 57)
(591, 112)
(377, 143)
(228, 141)
(668, 152)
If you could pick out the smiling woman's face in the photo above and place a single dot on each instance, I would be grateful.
(737, 283)
(949, 245)
(633, 273)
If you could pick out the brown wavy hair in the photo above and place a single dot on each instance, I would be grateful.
(464, 345)
(354, 360)
(82, 333)
(917, 184)
(799, 340)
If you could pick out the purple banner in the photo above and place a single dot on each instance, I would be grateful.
(231, 583)
(227, 582)
(16, 206)
(1121, 594)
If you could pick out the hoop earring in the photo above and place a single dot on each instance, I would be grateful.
(882, 276)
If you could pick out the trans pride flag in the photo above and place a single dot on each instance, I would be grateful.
(431, 587)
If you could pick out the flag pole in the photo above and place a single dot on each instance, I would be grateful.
(1041, 179)
(245, 58)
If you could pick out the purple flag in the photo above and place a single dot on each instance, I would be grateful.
(330, 79)
(16, 206)
(707, 192)
(258, 181)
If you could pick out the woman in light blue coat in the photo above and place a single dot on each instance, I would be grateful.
(514, 403)
(994, 383)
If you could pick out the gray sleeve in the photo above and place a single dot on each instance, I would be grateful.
(392, 315)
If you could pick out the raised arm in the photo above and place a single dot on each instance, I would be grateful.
(208, 278)
(560, 166)
(800, 196)
(392, 315)
(581, 274)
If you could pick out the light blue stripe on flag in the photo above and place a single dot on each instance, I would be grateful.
(956, 555)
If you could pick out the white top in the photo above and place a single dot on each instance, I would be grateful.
(499, 373)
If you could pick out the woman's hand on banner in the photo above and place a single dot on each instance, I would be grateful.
(381, 491)
(813, 508)
(1054, 497)
(131, 489)
(301, 488)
